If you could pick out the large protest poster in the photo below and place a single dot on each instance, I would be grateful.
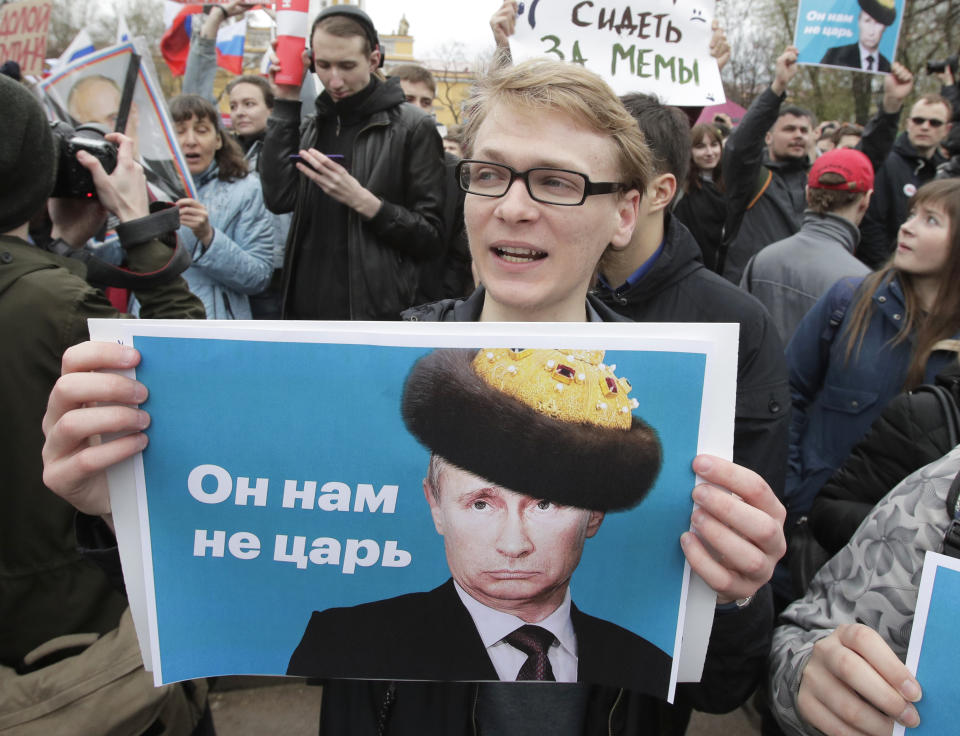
(89, 90)
(934, 641)
(281, 480)
(659, 47)
(23, 34)
(859, 35)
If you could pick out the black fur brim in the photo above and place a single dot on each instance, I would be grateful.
(878, 12)
(457, 415)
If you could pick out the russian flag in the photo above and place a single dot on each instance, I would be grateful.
(81, 45)
(230, 44)
(123, 33)
(175, 43)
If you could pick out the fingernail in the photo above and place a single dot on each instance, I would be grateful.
(128, 355)
(143, 419)
(143, 440)
(702, 464)
(139, 393)
(697, 518)
(910, 689)
(700, 494)
(909, 718)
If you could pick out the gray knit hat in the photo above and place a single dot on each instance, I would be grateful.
(28, 157)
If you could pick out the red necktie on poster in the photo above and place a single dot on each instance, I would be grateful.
(534, 641)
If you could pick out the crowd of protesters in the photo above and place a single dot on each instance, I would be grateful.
(834, 247)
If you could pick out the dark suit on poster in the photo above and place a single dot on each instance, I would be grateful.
(431, 636)
(850, 56)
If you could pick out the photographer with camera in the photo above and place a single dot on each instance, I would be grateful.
(69, 660)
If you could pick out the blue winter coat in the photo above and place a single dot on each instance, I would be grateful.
(835, 401)
(239, 259)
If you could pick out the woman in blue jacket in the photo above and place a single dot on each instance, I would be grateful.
(227, 229)
(868, 339)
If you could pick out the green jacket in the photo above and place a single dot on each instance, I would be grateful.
(46, 590)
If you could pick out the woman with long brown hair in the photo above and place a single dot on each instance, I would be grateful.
(868, 339)
(227, 229)
(702, 207)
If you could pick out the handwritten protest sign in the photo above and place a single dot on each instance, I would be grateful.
(858, 35)
(659, 47)
(23, 34)
(282, 484)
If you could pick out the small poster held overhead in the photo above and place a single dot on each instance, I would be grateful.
(661, 47)
(851, 34)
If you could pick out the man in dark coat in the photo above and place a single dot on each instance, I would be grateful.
(875, 17)
(511, 553)
(367, 195)
(51, 599)
(911, 164)
(660, 277)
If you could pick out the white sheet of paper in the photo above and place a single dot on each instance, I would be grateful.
(659, 47)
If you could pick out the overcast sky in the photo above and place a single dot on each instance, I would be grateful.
(435, 22)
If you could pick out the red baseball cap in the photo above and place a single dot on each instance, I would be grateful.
(848, 163)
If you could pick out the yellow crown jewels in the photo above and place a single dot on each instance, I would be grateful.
(569, 385)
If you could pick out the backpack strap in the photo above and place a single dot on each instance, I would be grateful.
(951, 540)
(949, 408)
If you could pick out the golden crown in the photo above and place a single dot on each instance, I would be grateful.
(569, 385)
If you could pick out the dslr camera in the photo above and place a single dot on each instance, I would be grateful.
(940, 65)
(73, 180)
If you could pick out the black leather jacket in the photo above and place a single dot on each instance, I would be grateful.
(398, 156)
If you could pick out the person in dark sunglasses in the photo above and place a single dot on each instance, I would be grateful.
(912, 162)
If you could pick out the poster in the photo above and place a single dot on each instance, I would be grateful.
(659, 47)
(859, 35)
(281, 483)
(23, 34)
(88, 90)
(934, 640)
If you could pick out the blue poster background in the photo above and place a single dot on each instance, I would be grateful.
(304, 411)
(815, 35)
(936, 670)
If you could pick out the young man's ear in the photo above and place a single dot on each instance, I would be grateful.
(375, 59)
(628, 211)
(660, 192)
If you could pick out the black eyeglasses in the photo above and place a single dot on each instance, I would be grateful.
(934, 123)
(544, 184)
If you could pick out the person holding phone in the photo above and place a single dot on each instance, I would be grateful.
(367, 192)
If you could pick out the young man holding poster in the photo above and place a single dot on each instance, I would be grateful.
(554, 179)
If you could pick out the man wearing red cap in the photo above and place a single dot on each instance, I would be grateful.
(790, 275)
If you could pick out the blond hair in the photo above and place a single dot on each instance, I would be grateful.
(541, 84)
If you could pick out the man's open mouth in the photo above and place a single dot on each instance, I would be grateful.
(519, 255)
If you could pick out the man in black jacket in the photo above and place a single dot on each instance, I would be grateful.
(911, 164)
(367, 202)
(660, 277)
(765, 166)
